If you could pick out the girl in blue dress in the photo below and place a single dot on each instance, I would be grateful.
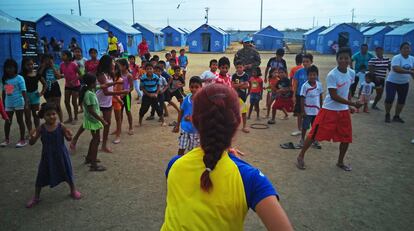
(55, 166)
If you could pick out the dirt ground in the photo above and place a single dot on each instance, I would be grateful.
(130, 195)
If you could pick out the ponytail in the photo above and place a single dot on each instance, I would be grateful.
(216, 116)
(89, 80)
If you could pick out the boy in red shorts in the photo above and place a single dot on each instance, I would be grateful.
(333, 121)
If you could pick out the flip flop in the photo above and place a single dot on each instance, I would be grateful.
(76, 195)
(288, 145)
(97, 168)
(32, 203)
(346, 168)
(271, 122)
(300, 164)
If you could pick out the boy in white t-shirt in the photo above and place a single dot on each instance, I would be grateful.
(365, 91)
(310, 101)
(208, 76)
(333, 121)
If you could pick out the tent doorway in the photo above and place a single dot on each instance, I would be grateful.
(169, 39)
(206, 41)
(343, 39)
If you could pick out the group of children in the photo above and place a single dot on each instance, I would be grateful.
(97, 87)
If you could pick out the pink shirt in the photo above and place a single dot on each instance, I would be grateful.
(70, 72)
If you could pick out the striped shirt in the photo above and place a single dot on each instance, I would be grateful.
(380, 66)
(150, 84)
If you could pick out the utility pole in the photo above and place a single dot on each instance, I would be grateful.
(133, 12)
(261, 14)
(206, 17)
(80, 11)
(313, 22)
(329, 21)
(168, 21)
(71, 11)
(353, 15)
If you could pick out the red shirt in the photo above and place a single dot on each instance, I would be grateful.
(91, 66)
(256, 84)
(293, 70)
(70, 72)
(134, 71)
(226, 80)
(143, 49)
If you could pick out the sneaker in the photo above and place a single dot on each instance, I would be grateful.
(5, 143)
(296, 133)
(21, 144)
(398, 119)
(387, 118)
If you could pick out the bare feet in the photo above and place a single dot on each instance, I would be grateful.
(300, 163)
(106, 149)
(245, 130)
(117, 140)
(131, 132)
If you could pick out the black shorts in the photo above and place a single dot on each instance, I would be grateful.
(75, 89)
(53, 92)
(298, 107)
(392, 89)
(177, 94)
(379, 82)
(113, 53)
(105, 108)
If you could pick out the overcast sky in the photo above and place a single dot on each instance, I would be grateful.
(235, 14)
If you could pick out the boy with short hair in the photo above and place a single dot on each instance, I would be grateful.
(151, 88)
(183, 62)
(298, 80)
(333, 121)
(240, 81)
(310, 101)
(167, 60)
(223, 77)
(189, 137)
(208, 76)
(298, 61)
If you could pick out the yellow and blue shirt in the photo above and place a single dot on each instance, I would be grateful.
(237, 186)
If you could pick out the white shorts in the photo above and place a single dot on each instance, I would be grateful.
(19, 108)
(188, 141)
(183, 68)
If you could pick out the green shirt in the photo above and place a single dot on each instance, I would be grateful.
(90, 100)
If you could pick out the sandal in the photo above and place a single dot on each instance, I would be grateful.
(90, 161)
(300, 164)
(245, 130)
(346, 168)
(32, 202)
(271, 122)
(97, 168)
(76, 195)
(316, 145)
(290, 145)
(116, 141)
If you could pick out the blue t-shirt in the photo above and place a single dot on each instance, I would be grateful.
(150, 84)
(301, 76)
(361, 60)
(166, 75)
(256, 185)
(13, 88)
(183, 60)
(187, 109)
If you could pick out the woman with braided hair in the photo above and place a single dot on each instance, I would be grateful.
(209, 188)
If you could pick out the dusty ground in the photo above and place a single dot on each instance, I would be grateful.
(130, 195)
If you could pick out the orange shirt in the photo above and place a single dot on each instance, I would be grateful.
(293, 70)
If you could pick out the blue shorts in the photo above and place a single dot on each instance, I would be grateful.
(392, 89)
(308, 121)
(33, 97)
(255, 98)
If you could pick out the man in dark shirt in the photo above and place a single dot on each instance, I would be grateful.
(248, 56)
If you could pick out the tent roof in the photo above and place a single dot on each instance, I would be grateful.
(213, 27)
(333, 27)
(365, 28)
(81, 24)
(269, 26)
(218, 29)
(176, 29)
(121, 25)
(185, 30)
(150, 28)
(375, 30)
(8, 23)
(402, 30)
(314, 29)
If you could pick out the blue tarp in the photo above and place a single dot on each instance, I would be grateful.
(268, 39)
(87, 34)
(374, 37)
(174, 36)
(10, 41)
(206, 39)
(394, 38)
(343, 34)
(154, 37)
(126, 34)
(311, 37)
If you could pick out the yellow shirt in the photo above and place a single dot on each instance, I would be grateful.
(236, 187)
(112, 43)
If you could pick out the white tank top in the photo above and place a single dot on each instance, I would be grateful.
(105, 100)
